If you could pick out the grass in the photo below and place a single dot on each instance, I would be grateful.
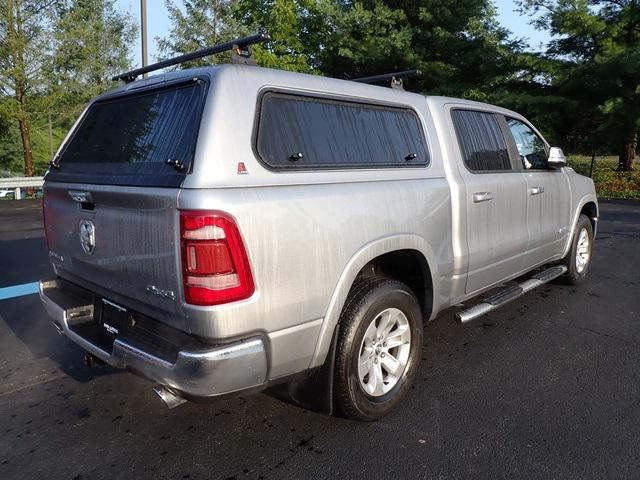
(609, 183)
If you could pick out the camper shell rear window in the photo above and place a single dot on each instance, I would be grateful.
(128, 139)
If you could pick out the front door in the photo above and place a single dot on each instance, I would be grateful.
(548, 196)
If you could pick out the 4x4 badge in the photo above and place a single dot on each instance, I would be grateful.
(161, 293)
(87, 236)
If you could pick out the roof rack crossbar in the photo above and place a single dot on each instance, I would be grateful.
(239, 46)
(394, 78)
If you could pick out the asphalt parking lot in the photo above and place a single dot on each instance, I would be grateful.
(547, 387)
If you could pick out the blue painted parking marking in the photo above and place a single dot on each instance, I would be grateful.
(18, 290)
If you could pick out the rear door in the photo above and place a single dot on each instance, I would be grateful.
(548, 195)
(495, 199)
(111, 217)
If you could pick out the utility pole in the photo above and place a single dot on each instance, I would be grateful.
(143, 31)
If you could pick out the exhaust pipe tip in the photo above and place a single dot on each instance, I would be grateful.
(169, 397)
(91, 360)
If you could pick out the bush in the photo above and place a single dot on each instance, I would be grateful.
(609, 182)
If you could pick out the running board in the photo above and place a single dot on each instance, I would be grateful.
(511, 293)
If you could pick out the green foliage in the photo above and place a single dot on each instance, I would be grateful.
(24, 28)
(203, 23)
(90, 44)
(71, 50)
(294, 26)
(593, 63)
(200, 24)
(366, 40)
(609, 182)
(458, 46)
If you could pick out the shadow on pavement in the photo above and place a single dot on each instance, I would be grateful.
(25, 261)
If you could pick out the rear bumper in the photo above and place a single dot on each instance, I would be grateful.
(199, 372)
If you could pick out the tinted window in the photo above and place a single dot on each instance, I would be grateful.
(133, 134)
(481, 141)
(307, 132)
(531, 148)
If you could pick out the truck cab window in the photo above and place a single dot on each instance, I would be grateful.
(484, 149)
(531, 148)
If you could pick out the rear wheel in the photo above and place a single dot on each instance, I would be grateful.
(378, 348)
(578, 259)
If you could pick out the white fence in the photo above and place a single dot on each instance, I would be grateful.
(18, 183)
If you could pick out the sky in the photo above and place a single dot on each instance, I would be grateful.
(159, 24)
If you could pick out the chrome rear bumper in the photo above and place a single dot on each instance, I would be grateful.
(197, 373)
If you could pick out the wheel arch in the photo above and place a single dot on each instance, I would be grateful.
(409, 267)
(588, 205)
(412, 247)
(590, 209)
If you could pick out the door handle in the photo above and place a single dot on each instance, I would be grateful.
(536, 190)
(479, 197)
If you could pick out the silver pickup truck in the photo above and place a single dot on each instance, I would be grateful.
(236, 228)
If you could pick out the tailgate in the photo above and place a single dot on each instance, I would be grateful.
(111, 196)
(122, 243)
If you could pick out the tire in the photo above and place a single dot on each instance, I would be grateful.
(577, 270)
(376, 301)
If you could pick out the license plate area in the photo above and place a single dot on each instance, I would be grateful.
(114, 319)
(110, 320)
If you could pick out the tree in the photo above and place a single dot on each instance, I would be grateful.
(366, 39)
(458, 46)
(292, 24)
(295, 27)
(202, 23)
(92, 42)
(24, 28)
(55, 55)
(598, 45)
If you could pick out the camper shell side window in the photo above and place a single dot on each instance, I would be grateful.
(298, 132)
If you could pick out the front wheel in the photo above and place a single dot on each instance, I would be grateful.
(378, 350)
(578, 259)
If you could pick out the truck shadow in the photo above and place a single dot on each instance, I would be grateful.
(25, 261)
(29, 323)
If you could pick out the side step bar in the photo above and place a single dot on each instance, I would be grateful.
(511, 293)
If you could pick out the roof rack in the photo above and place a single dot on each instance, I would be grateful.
(240, 54)
(394, 78)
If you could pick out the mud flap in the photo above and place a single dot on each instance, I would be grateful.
(313, 392)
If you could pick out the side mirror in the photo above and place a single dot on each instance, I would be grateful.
(556, 158)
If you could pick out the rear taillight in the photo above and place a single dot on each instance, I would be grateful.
(215, 267)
